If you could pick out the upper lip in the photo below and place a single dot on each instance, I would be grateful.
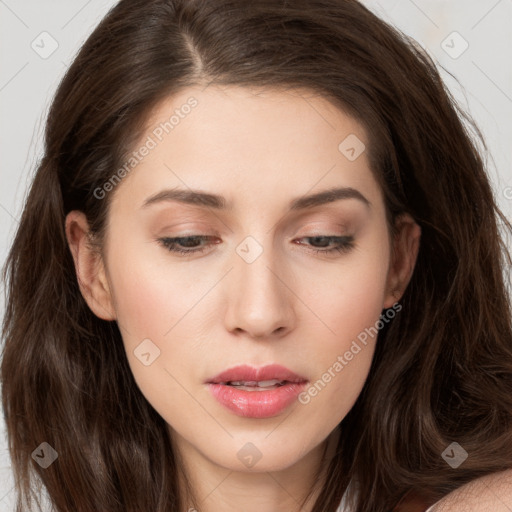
(250, 373)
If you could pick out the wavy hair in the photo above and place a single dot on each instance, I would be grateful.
(442, 370)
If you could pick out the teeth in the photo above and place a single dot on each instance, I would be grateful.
(268, 383)
(253, 383)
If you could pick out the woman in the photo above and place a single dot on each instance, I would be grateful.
(259, 266)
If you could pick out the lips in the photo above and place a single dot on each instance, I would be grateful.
(256, 392)
(249, 374)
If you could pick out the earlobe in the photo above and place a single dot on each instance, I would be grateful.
(404, 256)
(89, 267)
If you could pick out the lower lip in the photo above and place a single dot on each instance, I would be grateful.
(257, 404)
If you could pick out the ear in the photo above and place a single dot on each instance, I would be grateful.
(89, 267)
(405, 250)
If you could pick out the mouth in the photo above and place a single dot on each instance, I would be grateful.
(263, 377)
(256, 392)
(252, 385)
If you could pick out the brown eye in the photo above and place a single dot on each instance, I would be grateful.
(185, 244)
(342, 244)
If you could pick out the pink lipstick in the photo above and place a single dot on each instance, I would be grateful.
(256, 392)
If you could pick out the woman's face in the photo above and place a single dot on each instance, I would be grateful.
(258, 293)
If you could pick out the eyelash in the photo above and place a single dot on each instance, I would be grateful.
(345, 244)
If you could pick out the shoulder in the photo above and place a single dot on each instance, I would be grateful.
(491, 493)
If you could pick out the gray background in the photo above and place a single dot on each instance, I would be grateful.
(38, 39)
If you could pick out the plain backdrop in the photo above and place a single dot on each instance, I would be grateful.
(470, 40)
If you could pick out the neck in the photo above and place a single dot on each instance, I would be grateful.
(212, 488)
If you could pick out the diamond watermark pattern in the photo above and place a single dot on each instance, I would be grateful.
(249, 455)
(249, 249)
(454, 45)
(44, 455)
(44, 45)
(352, 147)
(146, 352)
(454, 455)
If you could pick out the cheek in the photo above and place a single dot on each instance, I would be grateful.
(350, 296)
(349, 307)
(143, 305)
(154, 315)
(150, 297)
(165, 304)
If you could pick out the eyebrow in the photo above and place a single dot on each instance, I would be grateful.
(217, 202)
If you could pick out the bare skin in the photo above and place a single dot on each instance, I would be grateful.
(492, 493)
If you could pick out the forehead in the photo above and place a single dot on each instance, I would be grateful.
(253, 143)
(250, 115)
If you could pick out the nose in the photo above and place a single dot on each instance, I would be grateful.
(260, 301)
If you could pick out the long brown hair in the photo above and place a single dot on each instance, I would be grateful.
(442, 370)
